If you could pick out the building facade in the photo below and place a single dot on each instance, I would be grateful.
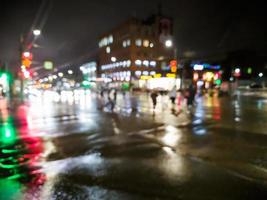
(135, 52)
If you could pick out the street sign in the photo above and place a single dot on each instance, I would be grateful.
(48, 65)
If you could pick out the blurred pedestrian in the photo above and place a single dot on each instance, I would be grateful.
(115, 95)
(154, 96)
(172, 95)
(110, 104)
(190, 95)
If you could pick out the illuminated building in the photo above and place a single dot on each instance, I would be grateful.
(135, 52)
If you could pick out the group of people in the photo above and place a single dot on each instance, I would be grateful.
(188, 94)
(111, 101)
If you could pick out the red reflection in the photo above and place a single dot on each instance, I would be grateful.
(33, 148)
(216, 111)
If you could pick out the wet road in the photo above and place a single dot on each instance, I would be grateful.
(66, 148)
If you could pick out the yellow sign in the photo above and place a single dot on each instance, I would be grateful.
(169, 75)
(157, 75)
(146, 77)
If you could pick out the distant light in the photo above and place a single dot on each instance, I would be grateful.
(198, 67)
(145, 73)
(70, 72)
(168, 43)
(153, 63)
(231, 79)
(48, 65)
(108, 50)
(151, 45)
(128, 63)
(237, 70)
(260, 74)
(249, 70)
(146, 43)
(138, 73)
(54, 76)
(36, 32)
(138, 42)
(113, 59)
(26, 54)
(146, 63)
(138, 62)
(23, 67)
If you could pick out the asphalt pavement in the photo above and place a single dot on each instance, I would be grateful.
(75, 147)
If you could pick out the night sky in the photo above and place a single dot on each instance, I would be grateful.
(73, 26)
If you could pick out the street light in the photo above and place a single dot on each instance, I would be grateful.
(168, 43)
(260, 74)
(36, 32)
(113, 59)
(60, 74)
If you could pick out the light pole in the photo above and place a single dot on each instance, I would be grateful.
(24, 52)
(169, 44)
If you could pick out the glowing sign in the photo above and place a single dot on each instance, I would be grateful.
(198, 67)
(169, 75)
(48, 65)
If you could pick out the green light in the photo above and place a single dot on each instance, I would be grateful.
(10, 151)
(86, 84)
(249, 71)
(10, 189)
(48, 65)
(218, 82)
(7, 134)
(125, 86)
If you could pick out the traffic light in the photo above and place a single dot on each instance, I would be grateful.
(173, 65)
(26, 74)
(26, 59)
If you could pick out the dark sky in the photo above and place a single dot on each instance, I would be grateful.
(73, 26)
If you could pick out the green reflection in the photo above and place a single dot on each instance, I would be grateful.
(8, 134)
(10, 189)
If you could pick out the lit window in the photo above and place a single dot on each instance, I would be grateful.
(152, 73)
(110, 39)
(124, 63)
(138, 42)
(128, 63)
(117, 64)
(124, 44)
(146, 43)
(146, 63)
(128, 42)
(153, 63)
(151, 45)
(145, 73)
(108, 50)
(138, 73)
(105, 41)
(127, 79)
(128, 73)
(138, 62)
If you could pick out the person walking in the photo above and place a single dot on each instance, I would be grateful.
(154, 96)
(190, 96)
(173, 95)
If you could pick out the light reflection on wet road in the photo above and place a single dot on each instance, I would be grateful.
(72, 150)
